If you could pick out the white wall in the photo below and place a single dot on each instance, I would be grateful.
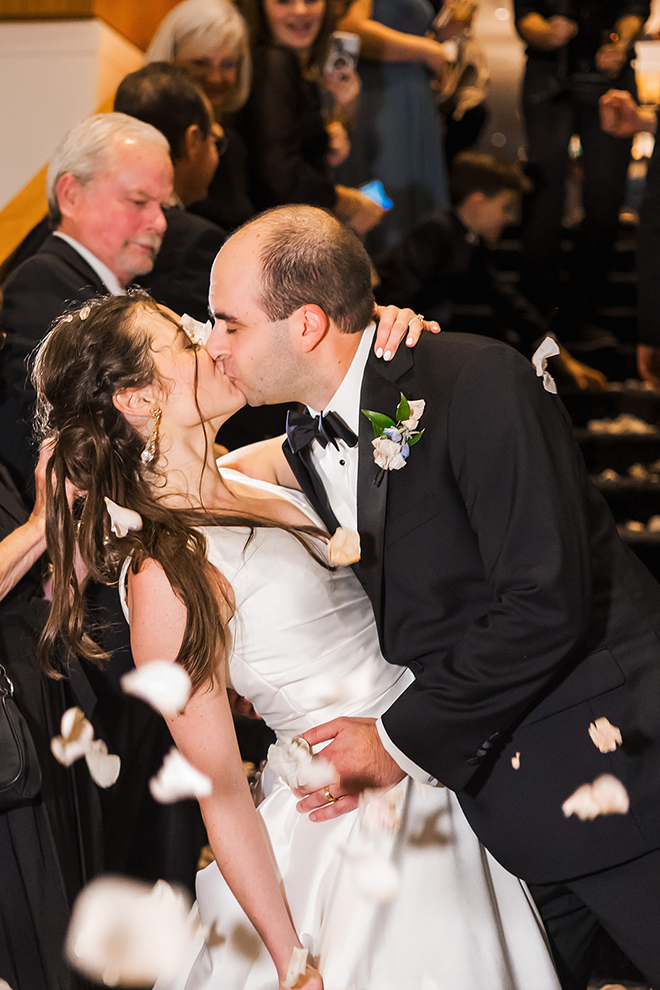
(52, 75)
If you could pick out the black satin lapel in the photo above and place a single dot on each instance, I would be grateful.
(303, 468)
(380, 395)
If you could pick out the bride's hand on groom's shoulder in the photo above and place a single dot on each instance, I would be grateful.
(394, 325)
(360, 760)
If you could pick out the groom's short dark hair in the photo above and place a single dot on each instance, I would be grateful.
(308, 256)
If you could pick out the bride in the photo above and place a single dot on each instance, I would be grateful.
(229, 577)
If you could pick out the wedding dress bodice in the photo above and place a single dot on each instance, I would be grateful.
(304, 641)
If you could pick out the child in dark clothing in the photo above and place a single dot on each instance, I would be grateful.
(443, 264)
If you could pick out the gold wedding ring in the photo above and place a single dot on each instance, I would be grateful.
(422, 319)
(328, 796)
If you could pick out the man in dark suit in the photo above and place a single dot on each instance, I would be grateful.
(495, 572)
(108, 182)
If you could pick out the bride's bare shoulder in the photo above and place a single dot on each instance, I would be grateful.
(263, 461)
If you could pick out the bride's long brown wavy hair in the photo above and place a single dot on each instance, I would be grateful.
(89, 355)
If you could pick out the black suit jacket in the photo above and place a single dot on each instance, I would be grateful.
(497, 575)
(34, 295)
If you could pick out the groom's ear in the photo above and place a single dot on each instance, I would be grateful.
(311, 325)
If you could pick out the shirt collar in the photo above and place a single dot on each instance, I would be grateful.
(109, 279)
(346, 400)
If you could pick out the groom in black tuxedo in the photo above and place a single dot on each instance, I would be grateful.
(495, 572)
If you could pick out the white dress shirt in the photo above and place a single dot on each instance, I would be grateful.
(109, 279)
(338, 470)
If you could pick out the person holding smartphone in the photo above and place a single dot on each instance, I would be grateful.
(282, 122)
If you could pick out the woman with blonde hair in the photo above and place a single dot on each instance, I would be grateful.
(210, 39)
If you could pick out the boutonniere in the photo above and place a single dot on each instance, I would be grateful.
(393, 440)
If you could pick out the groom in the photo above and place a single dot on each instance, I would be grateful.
(494, 570)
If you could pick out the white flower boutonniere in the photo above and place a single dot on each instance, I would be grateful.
(393, 440)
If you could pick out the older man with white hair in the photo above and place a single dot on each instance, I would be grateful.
(108, 182)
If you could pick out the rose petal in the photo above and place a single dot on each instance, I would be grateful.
(164, 685)
(294, 762)
(344, 547)
(375, 876)
(382, 809)
(604, 735)
(548, 348)
(198, 333)
(122, 520)
(103, 767)
(76, 739)
(606, 796)
(297, 967)
(177, 779)
(126, 932)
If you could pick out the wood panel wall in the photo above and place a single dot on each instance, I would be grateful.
(136, 20)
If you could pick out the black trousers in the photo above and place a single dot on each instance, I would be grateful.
(624, 901)
(551, 118)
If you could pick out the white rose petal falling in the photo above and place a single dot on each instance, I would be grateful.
(376, 878)
(604, 735)
(294, 762)
(297, 967)
(164, 685)
(547, 349)
(344, 547)
(198, 333)
(122, 520)
(178, 779)
(104, 767)
(606, 796)
(77, 740)
(126, 933)
(77, 736)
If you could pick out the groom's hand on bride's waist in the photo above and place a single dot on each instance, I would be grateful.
(356, 752)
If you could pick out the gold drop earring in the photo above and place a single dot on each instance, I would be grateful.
(151, 447)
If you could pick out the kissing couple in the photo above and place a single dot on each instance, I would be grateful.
(509, 614)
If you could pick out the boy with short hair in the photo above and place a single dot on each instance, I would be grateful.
(444, 262)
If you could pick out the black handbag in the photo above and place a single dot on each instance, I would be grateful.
(20, 773)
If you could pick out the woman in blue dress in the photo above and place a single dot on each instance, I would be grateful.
(397, 137)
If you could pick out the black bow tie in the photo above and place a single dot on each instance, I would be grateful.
(302, 429)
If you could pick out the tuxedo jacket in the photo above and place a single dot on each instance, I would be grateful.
(497, 575)
(34, 294)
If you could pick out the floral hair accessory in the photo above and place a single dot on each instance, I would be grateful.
(549, 348)
(393, 440)
(198, 332)
(122, 520)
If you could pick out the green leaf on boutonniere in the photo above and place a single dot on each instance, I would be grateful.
(379, 421)
(403, 409)
(415, 438)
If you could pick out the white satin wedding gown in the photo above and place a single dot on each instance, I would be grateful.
(305, 650)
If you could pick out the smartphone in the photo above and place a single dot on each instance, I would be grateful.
(375, 190)
(343, 52)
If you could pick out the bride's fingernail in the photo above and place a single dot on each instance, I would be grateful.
(379, 352)
(410, 341)
(387, 356)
